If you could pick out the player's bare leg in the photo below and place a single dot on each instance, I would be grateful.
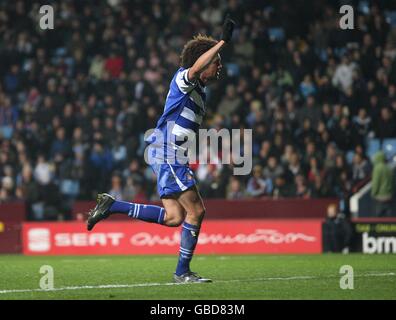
(174, 212)
(193, 204)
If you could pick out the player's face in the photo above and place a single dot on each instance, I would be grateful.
(213, 70)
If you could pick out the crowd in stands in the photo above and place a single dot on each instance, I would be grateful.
(75, 101)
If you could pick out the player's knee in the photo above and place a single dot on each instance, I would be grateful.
(198, 215)
(173, 220)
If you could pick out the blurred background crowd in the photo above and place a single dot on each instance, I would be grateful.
(76, 101)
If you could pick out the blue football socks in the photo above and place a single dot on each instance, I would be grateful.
(189, 239)
(142, 212)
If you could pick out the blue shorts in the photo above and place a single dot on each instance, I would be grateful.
(173, 178)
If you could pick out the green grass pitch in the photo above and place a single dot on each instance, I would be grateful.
(239, 277)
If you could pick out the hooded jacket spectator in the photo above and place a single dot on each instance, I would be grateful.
(382, 181)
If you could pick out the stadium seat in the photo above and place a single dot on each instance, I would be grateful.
(373, 146)
(349, 156)
(364, 7)
(232, 69)
(276, 34)
(389, 148)
(390, 17)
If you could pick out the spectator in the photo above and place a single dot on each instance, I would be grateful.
(256, 114)
(301, 188)
(234, 189)
(71, 178)
(119, 153)
(310, 111)
(140, 195)
(343, 76)
(114, 64)
(273, 169)
(294, 167)
(212, 14)
(116, 187)
(230, 103)
(44, 171)
(362, 123)
(331, 154)
(382, 187)
(307, 87)
(344, 135)
(97, 67)
(314, 170)
(282, 189)
(6, 190)
(8, 118)
(337, 231)
(386, 125)
(257, 186)
(360, 168)
(101, 164)
(319, 189)
(60, 146)
(29, 190)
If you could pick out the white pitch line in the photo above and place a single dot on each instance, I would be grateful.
(156, 284)
(106, 286)
(378, 274)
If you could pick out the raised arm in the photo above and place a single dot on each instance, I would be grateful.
(206, 58)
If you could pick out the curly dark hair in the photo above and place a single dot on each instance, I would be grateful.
(194, 48)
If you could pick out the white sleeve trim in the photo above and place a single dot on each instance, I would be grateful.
(183, 83)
